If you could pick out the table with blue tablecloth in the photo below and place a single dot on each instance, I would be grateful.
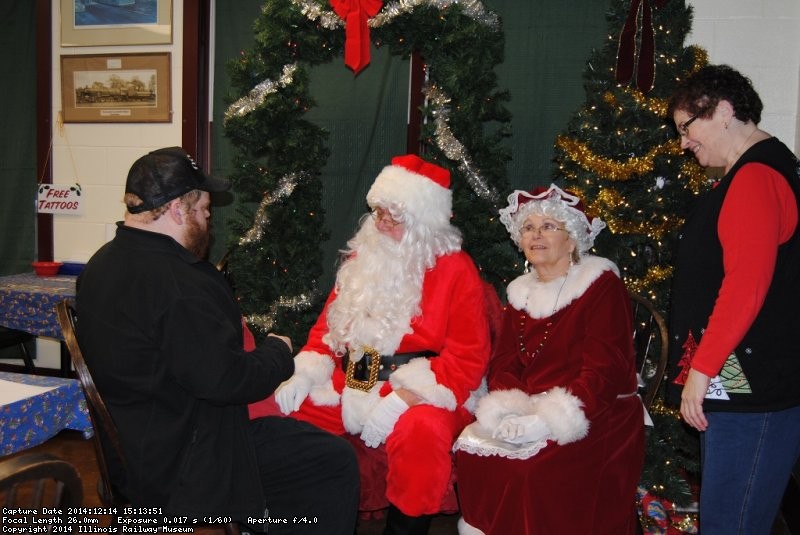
(28, 303)
(34, 408)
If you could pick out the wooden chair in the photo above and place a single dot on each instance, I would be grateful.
(103, 423)
(13, 337)
(650, 344)
(35, 481)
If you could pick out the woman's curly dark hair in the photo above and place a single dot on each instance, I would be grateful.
(700, 93)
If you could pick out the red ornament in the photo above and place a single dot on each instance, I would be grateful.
(355, 14)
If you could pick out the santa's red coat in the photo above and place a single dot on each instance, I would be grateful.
(453, 324)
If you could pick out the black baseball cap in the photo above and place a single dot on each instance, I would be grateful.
(165, 174)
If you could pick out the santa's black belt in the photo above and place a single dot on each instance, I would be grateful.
(372, 367)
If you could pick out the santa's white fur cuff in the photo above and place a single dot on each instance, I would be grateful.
(319, 369)
(417, 376)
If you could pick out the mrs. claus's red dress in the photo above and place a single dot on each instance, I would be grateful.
(564, 353)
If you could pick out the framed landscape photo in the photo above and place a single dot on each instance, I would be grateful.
(116, 88)
(116, 22)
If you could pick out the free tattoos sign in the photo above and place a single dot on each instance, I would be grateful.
(59, 199)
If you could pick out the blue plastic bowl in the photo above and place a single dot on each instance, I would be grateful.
(71, 268)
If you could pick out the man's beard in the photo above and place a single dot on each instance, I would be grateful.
(379, 289)
(197, 238)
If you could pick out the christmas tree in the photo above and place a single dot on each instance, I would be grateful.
(279, 154)
(621, 153)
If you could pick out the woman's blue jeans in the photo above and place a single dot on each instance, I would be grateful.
(747, 459)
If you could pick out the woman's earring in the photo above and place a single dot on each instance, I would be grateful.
(527, 267)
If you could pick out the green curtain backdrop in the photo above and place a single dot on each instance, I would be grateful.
(18, 136)
(547, 43)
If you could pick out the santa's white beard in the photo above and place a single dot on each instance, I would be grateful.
(379, 289)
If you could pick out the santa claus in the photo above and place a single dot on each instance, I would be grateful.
(402, 341)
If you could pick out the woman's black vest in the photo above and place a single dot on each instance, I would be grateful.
(763, 373)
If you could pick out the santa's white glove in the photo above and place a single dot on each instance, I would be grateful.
(522, 429)
(382, 419)
(292, 392)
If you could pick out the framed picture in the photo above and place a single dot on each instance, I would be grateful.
(116, 22)
(116, 88)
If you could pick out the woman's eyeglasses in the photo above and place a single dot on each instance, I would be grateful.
(544, 229)
(683, 128)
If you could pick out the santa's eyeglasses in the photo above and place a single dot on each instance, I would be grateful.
(381, 214)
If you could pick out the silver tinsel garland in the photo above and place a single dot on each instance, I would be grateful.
(329, 20)
(452, 147)
(255, 97)
(285, 188)
(265, 322)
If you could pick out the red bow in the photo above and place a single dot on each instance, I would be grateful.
(646, 66)
(355, 13)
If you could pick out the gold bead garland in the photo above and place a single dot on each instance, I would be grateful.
(611, 169)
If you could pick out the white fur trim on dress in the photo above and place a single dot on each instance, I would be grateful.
(428, 202)
(563, 413)
(498, 404)
(319, 369)
(538, 298)
(467, 529)
(417, 376)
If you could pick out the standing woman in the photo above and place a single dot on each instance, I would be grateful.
(735, 329)
(558, 443)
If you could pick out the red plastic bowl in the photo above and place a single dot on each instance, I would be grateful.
(46, 269)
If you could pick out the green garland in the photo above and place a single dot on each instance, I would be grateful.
(278, 154)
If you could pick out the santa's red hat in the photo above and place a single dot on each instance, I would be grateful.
(415, 187)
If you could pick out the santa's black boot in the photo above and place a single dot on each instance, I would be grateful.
(398, 523)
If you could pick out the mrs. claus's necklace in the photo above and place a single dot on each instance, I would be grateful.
(524, 318)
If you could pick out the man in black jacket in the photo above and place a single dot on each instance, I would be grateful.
(163, 337)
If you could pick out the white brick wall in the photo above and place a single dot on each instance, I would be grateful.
(762, 40)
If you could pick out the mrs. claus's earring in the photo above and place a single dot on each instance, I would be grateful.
(527, 267)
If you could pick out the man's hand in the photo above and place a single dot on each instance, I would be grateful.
(292, 392)
(522, 429)
(286, 340)
(382, 419)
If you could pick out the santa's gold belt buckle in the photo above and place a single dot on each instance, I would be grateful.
(374, 368)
